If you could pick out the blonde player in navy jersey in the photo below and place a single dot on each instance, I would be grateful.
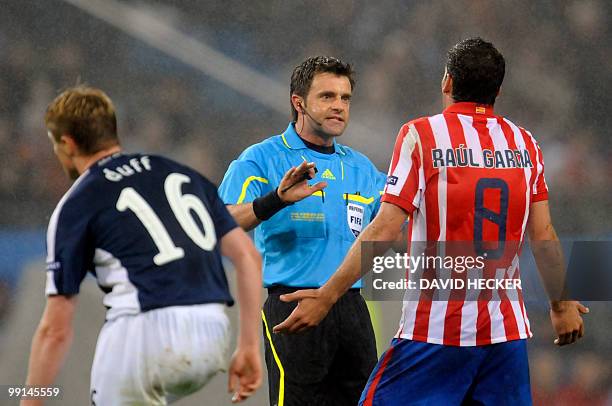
(152, 232)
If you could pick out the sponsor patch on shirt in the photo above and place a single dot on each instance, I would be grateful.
(391, 180)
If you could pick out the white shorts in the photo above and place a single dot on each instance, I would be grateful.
(157, 357)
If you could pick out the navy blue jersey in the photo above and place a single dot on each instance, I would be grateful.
(147, 228)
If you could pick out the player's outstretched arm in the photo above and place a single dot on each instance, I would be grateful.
(245, 372)
(50, 343)
(292, 188)
(314, 304)
(564, 314)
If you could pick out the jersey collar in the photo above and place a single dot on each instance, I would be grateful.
(107, 158)
(470, 109)
(292, 141)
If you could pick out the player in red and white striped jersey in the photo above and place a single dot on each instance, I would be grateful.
(466, 174)
(449, 171)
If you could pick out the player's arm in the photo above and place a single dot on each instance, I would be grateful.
(314, 304)
(245, 373)
(51, 342)
(546, 248)
(292, 188)
(380, 181)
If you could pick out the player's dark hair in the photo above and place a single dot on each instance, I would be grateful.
(304, 73)
(477, 69)
(87, 115)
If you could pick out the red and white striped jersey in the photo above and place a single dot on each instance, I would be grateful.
(466, 175)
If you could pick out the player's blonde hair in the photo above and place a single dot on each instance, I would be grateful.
(87, 115)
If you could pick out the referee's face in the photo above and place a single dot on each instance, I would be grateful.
(328, 103)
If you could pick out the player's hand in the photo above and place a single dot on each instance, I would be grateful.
(567, 321)
(301, 188)
(313, 306)
(245, 373)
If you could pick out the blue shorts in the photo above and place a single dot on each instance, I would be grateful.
(418, 373)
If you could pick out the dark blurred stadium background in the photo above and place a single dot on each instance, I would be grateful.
(558, 84)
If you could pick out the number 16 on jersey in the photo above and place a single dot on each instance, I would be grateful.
(181, 205)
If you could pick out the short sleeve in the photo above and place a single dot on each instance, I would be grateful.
(379, 187)
(69, 249)
(540, 188)
(243, 182)
(405, 183)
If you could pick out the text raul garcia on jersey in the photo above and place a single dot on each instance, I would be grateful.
(466, 157)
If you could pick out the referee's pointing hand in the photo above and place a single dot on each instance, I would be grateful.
(312, 307)
(294, 185)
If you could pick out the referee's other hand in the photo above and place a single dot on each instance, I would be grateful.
(294, 185)
(312, 307)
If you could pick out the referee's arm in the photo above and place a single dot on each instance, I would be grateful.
(293, 188)
(244, 215)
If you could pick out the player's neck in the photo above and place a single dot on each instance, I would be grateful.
(447, 101)
(83, 162)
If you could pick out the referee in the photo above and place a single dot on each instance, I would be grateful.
(304, 229)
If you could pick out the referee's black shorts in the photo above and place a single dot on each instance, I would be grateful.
(328, 365)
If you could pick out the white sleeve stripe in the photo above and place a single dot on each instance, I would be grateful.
(404, 164)
(539, 164)
(52, 230)
(50, 288)
(419, 195)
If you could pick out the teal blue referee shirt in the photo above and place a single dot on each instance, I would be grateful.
(303, 244)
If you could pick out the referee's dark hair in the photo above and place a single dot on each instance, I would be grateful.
(86, 114)
(477, 69)
(303, 74)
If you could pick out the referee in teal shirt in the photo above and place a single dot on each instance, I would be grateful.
(308, 198)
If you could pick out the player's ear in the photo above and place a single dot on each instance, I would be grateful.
(447, 84)
(67, 145)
